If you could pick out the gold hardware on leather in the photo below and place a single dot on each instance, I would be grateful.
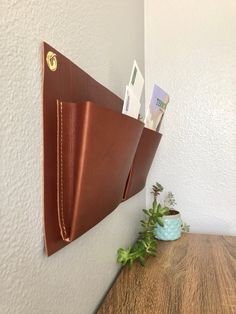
(51, 59)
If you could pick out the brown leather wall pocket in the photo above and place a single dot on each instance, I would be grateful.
(96, 147)
(87, 153)
(144, 156)
(89, 148)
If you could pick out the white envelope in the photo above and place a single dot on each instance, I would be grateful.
(131, 106)
(136, 81)
(153, 119)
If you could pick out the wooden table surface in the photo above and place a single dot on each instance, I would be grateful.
(195, 274)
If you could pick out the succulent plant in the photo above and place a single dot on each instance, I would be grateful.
(169, 200)
(156, 190)
(146, 243)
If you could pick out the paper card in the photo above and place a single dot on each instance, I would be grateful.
(136, 81)
(131, 106)
(159, 99)
(157, 107)
(152, 120)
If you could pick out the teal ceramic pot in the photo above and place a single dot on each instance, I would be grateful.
(172, 227)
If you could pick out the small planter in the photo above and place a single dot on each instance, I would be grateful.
(172, 227)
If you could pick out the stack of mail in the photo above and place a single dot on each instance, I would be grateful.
(133, 93)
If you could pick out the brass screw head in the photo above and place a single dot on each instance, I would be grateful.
(51, 60)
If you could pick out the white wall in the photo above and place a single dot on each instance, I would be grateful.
(190, 51)
(103, 37)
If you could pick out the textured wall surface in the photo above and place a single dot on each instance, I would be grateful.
(103, 37)
(190, 51)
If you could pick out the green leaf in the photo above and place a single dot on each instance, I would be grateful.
(153, 253)
(151, 211)
(146, 212)
(164, 210)
(154, 205)
(130, 263)
(185, 227)
(142, 260)
(123, 255)
(144, 223)
(160, 222)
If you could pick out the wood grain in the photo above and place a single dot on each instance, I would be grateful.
(196, 274)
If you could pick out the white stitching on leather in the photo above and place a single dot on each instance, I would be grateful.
(60, 196)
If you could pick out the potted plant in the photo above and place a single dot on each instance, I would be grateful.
(172, 223)
(146, 243)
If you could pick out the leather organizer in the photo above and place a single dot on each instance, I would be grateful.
(94, 156)
(143, 158)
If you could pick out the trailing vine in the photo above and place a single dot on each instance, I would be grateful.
(146, 243)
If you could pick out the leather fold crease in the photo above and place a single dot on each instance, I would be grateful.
(142, 162)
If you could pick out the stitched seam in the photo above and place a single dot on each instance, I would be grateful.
(60, 172)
